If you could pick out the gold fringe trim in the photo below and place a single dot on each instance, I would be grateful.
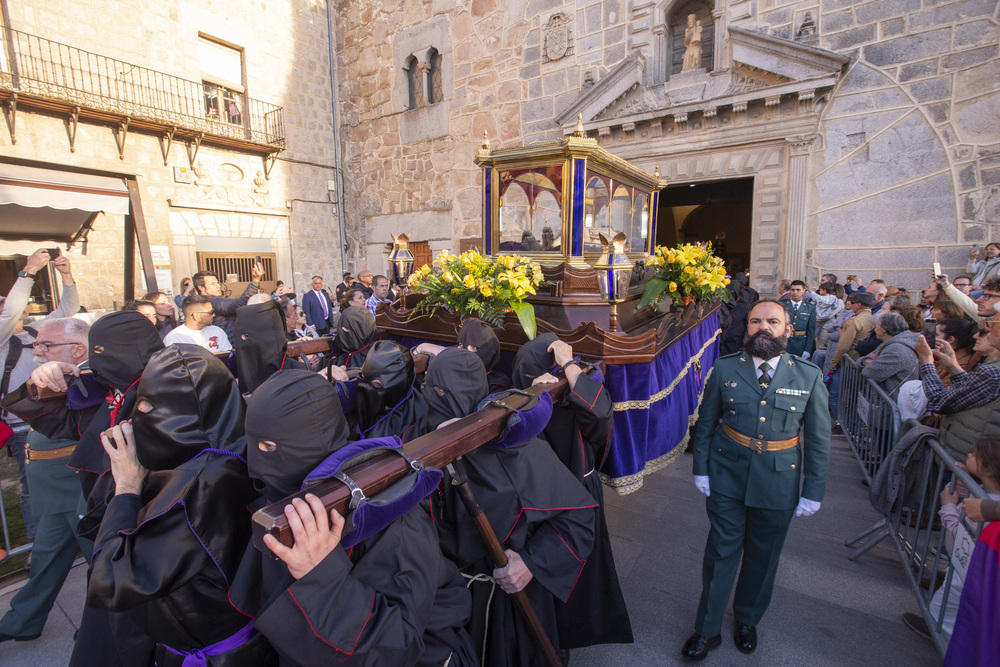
(621, 406)
(632, 483)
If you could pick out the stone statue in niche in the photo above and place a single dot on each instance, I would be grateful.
(692, 45)
(557, 37)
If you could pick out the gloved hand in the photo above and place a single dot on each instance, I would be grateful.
(701, 481)
(806, 507)
(806, 355)
(828, 378)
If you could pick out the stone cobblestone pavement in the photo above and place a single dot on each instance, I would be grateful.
(826, 610)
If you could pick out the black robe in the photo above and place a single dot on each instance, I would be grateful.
(393, 599)
(167, 555)
(260, 344)
(579, 432)
(537, 509)
(386, 402)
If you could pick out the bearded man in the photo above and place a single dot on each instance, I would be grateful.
(749, 460)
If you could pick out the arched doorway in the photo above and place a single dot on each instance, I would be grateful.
(716, 211)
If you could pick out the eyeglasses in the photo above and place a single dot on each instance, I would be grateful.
(206, 312)
(989, 295)
(44, 346)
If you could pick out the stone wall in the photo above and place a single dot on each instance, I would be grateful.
(286, 58)
(906, 172)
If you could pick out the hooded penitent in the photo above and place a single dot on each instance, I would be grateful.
(294, 421)
(260, 343)
(354, 336)
(481, 335)
(188, 402)
(533, 359)
(454, 384)
(120, 345)
(386, 402)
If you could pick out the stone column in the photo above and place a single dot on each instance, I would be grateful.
(721, 24)
(793, 264)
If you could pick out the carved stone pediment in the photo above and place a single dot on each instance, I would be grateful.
(746, 78)
(635, 100)
(791, 60)
(617, 83)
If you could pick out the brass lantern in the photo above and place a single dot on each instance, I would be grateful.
(401, 261)
(614, 271)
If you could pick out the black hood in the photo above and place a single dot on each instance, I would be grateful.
(533, 359)
(121, 344)
(355, 329)
(194, 404)
(481, 335)
(454, 384)
(386, 378)
(260, 343)
(299, 412)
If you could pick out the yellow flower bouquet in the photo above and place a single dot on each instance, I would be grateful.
(471, 284)
(689, 270)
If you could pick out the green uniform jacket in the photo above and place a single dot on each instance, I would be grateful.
(804, 319)
(796, 398)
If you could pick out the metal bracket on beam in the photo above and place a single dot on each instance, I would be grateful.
(197, 144)
(169, 136)
(10, 113)
(269, 161)
(120, 138)
(74, 119)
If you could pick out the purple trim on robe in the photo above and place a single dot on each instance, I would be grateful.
(196, 657)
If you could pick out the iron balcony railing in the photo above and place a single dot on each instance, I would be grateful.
(65, 74)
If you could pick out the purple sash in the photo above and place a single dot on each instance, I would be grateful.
(196, 657)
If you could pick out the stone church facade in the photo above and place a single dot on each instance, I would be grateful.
(869, 129)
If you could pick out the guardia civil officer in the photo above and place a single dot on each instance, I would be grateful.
(802, 317)
(763, 431)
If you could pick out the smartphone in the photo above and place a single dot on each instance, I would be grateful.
(53, 252)
(975, 247)
(937, 269)
(257, 259)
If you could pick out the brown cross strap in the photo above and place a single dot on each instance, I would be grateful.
(758, 445)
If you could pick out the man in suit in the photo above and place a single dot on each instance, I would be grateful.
(802, 316)
(318, 307)
(56, 495)
(342, 288)
(749, 460)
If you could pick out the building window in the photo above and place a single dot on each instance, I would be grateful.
(222, 81)
(678, 21)
(436, 89)
(414, 82)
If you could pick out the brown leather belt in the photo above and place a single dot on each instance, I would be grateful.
(758, 445)
(799, 333)
(46, 454)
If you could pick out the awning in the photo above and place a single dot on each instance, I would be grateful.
(51, 205)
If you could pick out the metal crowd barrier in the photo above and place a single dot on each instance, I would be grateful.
(11, 550)
(869, 417)
(936, 573)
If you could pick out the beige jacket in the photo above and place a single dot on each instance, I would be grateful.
(854, 330)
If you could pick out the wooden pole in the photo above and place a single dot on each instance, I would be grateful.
(499, 557)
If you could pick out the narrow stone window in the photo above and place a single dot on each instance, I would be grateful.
(436, 88)
(415, 83)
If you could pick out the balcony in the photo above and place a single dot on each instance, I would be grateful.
(53, 77)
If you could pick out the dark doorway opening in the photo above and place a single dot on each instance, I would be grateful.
(717, 211)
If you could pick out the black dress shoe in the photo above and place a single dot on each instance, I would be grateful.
(746, 637)
(7, 638)
(698, 646)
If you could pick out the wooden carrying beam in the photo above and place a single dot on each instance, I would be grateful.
(436, 449)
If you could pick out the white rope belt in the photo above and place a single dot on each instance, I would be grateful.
(471, 579)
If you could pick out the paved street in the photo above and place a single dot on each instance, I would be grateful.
(826, 610)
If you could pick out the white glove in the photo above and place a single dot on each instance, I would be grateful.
(701, 482)
(806, 507)
(806, 355)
